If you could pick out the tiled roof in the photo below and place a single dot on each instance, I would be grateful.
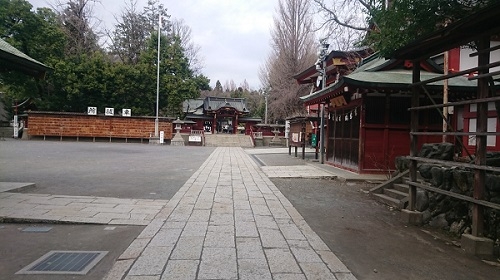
(199, 106)
(370, 75)
(13, 59)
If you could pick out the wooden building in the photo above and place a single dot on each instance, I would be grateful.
(220, 115)
(367, 113)
(482, 28)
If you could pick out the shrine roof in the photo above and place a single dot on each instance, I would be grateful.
(207, 104)
(370, 75)
(335, 59)
(13, 59)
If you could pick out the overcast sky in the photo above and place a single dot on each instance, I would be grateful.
(234, 35)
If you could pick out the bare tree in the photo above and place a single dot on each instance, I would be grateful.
(76, 18)
(230, 86)
(134, 28)
(245, 86)
(191, 50)
(345, 20)
(129, 36)
(293, 51)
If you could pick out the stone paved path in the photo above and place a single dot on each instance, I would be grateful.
(228, 221)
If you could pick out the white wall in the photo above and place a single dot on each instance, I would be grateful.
(467, 62)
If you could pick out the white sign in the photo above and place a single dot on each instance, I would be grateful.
(92, 111)
(162, 134)
(287, 129)
(126, 112)
(194, 138)
(109, 111)
(295, 137)
(16, 127)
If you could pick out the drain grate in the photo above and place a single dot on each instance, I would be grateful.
(37, 229)
(64, 262)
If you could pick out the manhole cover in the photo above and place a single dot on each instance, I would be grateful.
(64, 262)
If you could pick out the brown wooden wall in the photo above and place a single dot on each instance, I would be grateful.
(79, 125)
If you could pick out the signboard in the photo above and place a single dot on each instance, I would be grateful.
(194, 138)
(92, 111)
(16, 127)
(338, 101)
(313, 140)
(295, 137)
(126, 112)
(162, 134)
(109, 111)
(287, 129)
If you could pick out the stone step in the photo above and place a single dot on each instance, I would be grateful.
(402, 188)
(228, 140)
(396, 203)
(395, 194)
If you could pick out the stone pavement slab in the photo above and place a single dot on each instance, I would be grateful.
(78, 209)
(8, 186)
(296, 171)
(229, 221)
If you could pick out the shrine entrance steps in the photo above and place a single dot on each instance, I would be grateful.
(228, 140)
(393, 192)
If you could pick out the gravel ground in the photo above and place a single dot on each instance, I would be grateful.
(369, 238)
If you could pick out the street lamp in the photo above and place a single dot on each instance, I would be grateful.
(321, 68)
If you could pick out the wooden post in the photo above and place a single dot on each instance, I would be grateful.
(415, 101)
(482, 126)
(235, 124)
(214, 124)
(445, 94)
(303, 139)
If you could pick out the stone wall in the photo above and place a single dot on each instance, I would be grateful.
(100, 126)
(448, 213)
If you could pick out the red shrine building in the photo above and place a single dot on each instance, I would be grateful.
(366, 99)
(219, 115)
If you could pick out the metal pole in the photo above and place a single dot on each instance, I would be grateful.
(322, 122)
(158, 74)
(265, 118)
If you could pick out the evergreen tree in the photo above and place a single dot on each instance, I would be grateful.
(85, 76)
(218, 87)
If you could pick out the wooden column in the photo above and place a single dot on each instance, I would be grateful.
(482, 126)
(235, 124)
(415, 101)
(214, 124)
(303, 138)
